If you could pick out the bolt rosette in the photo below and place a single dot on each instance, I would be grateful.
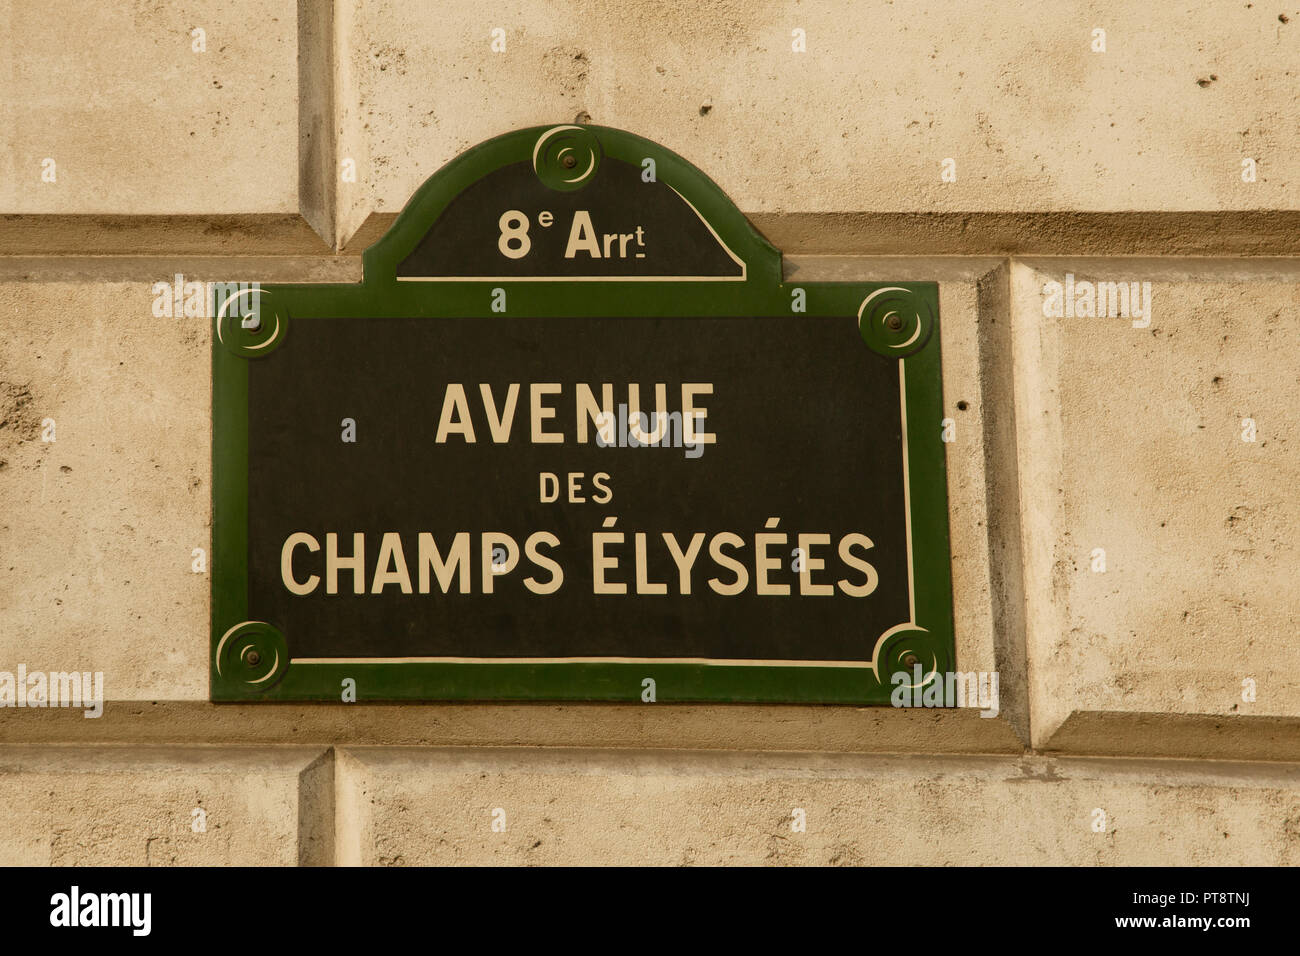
(259, 333)
(566, 158)
(252, 655)
(896, 322)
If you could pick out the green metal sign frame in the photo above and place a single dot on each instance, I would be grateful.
(253, 660)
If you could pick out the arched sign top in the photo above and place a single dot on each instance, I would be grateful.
(571, 203)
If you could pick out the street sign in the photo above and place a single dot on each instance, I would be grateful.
(575, 438)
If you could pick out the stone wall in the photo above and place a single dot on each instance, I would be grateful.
(1163, 691)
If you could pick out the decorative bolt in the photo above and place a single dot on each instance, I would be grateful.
(895, 322)
(911, 660)
(569, 161)
(253, 658)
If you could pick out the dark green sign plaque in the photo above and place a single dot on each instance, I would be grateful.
(574, 438)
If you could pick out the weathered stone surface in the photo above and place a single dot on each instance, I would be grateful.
(98, 527)
(421, 807)
(77, 806)
(138, 122)
(1131, 443)
(1032, 117)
